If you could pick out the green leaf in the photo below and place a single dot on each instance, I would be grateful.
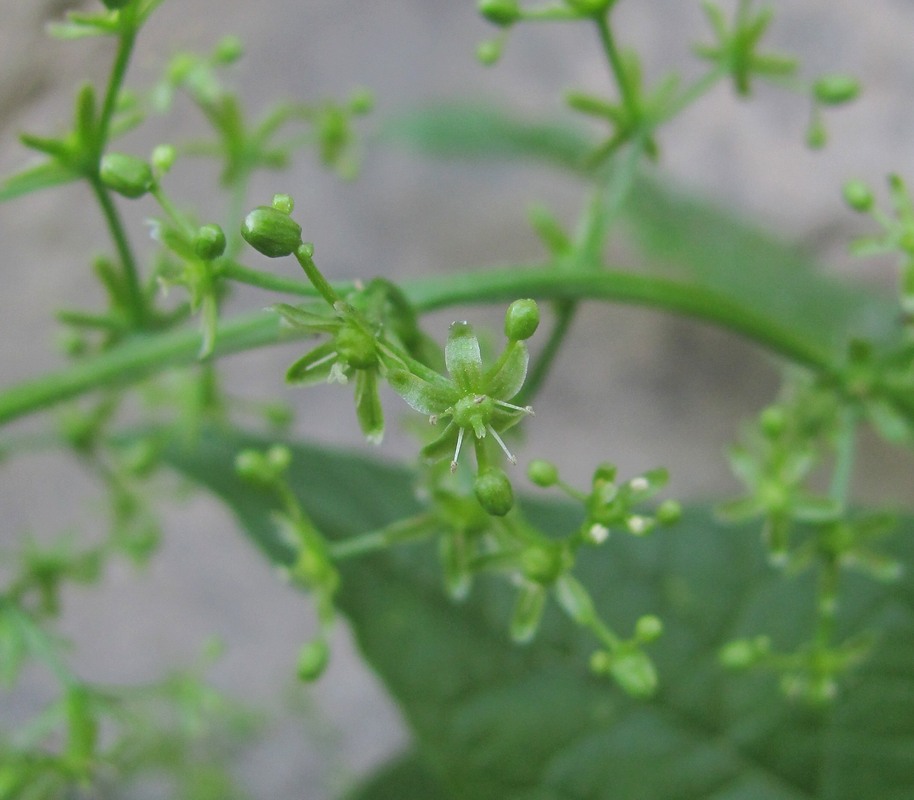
(694, 240)
(407, 778)
(496, 721)
(481, 132)
(41, 176)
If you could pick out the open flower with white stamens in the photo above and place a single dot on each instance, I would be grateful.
(473, 401)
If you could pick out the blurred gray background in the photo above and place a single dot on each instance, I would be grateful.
(635, 387)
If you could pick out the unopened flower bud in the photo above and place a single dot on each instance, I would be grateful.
(858, 196)
(163, 158)
(489, 51)
(521, 320)
(542, 473)
(127, 175)
(229, 50)
(493, 491)
(648, 628)
(833, 90)
(500, 12)
(209, 243)
(271, 232)
(312, 660)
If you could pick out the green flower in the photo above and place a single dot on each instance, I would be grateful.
(350, 353)
(472, 399)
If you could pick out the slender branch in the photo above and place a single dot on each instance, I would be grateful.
(564, 315)
(145, 355)
(617, 67)
(126, 42)
(137, 301)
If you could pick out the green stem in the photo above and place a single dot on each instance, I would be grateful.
(134, 360)
(564, 316)
(506, 284)
(126, 42)
(145, 355)
(845, 451)
(617, 67)
(692, 93)
(303, 255)
(137, 301)
(273, 283)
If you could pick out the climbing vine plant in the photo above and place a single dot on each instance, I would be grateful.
(781, 618)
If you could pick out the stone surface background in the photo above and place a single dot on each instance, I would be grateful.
(636, 388)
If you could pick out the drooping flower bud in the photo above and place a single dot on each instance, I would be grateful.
(500, 12)
(127, 175)
(834, 90)
(521, 320)
(542, 473)
(271, 232)
(312, 660)
(858, 196)
(493, 491)
(209, 243)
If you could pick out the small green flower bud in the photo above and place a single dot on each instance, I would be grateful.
(279, 457)
(209, 243)
(163, 158)
(544, 563)
(494, 492)
(500, 12)
(833, 90)
(312, 660)
(772, 421)
(252, 466)
(271, 232)
(489, 51)
(361, 101)
(542, 473)
(229, 50)
(669, 512)
(743, 653)
(634, 671)
(816, 135)
(127, 175)
(283, 202)
(521, 320)
(858, 196)
(648, 629)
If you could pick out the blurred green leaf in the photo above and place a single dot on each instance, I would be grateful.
(406, 778)
(686, 237)
(694, 240)
(41, 176)
(497, 721)
(482, 132)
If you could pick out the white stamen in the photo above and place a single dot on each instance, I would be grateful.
(320, 361)
(457, 450)
(358, 284)
(637, 524)
(598, 533)
(511, 457)
(512, 407)
(638, 484)
(337, 375)
(433, 419)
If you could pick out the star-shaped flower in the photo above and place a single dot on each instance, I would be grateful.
(472, 399)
